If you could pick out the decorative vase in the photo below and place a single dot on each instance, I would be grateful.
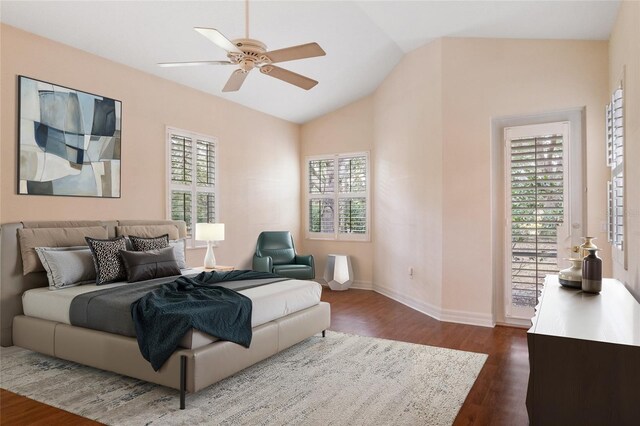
(588, 243)
(572, 277)
(592, 272)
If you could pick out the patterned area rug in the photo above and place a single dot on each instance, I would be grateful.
(339, 380)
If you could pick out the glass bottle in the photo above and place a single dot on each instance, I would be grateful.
(592, 272)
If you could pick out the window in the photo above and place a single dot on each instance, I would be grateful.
(615, 160)
(538, 203)
(192, 178)
(338, 197)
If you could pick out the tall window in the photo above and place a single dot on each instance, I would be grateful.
(615, 160)
(538, 203)
(338, 197)
(192, 178)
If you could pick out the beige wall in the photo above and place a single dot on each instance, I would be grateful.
(348, 129)
(487, 78)
(624, 54)
(258, 154)
(408, 180)
(432, 161)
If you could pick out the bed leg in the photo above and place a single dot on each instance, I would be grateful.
(183, 380)
(324, 333)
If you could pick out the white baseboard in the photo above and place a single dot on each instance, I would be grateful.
(516, 322)
(435, 312)
(426, 308)
(471, 318)
(362, 285)
(357, 284)
(447, 315)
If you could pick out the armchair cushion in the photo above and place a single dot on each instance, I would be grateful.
(262, 264)
(299, 272)
(278, 245)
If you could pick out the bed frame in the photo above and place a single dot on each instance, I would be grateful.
(187, 370)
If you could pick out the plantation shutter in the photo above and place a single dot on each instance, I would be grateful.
(192, 179)
(537, 209)
(181, 179)
(321, 196)
(205, 181)
(615, 160)
(181, 160)
(352, 199)
(337, 196)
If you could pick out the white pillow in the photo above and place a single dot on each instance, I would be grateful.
(178, 252)
(67, 266)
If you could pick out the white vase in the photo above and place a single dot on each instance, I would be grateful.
(572, 277)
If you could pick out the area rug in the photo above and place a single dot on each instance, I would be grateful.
(338, 380)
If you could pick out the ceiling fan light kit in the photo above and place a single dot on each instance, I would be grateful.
(248, 53)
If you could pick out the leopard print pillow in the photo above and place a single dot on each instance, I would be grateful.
(107, 259)
(146, 244)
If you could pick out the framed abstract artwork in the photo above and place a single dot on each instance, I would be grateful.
(69, 141)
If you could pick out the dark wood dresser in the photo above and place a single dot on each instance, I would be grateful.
(584, 357)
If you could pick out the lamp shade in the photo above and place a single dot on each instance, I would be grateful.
(210, 231)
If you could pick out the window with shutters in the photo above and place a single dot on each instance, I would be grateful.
(615, 160)
(537, 207)
(192, 178)
(338, 197)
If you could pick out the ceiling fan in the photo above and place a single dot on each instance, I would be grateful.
(249, 53)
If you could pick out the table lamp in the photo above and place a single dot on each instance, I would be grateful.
(210, 232)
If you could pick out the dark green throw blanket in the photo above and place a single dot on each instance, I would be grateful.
(163, 316)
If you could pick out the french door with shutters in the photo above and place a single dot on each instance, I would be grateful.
(543, 205)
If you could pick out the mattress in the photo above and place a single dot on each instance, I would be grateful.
(270, 302)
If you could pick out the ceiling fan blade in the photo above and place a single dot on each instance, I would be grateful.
(288, 76)
(302, 51)
(235, 81)
(217, 37)
(193, 63)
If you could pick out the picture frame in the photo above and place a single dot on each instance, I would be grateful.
(69, 141)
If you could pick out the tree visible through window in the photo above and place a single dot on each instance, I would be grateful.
(338, 197)
(192, 178)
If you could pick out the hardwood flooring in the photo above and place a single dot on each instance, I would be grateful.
(497, 397)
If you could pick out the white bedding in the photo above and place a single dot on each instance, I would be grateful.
(270, 301)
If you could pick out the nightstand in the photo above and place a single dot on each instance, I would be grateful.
(218, 268)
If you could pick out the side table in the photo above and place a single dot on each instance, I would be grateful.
(218, 268)
(338, 272)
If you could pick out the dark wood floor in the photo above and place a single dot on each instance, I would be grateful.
(497, 397)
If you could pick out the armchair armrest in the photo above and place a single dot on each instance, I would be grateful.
(262, 264)
(305, 260)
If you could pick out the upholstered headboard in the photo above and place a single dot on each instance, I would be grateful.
(12, 281)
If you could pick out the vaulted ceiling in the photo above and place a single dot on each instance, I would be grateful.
(364, 40)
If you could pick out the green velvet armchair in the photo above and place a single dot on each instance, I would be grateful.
(275, 253)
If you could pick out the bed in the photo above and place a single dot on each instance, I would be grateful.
(35, 318)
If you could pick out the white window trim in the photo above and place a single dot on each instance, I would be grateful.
(336, 235)
(193, 188)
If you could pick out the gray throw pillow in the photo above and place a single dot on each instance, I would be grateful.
(178, 252)
(145, 244)
(67, 266)
(107, 259)
(147, 265)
